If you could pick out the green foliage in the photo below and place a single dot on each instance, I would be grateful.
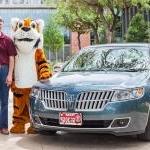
(148, 32)
(137, 31)
(50, 2)
(73, 15)
(144, 3)
(53, 39)
(76, 16)
(89, 15)
(102, 33)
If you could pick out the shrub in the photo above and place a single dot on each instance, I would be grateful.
(137, 31)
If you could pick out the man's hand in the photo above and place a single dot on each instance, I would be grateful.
(9, 80)
(10, 72)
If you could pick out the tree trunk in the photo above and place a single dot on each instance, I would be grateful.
(109, 36)
(63, 53)
(97, 37)
(56, 57)
(79, 41)
(49, 55)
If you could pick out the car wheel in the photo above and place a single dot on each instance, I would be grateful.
(47, 132)
(146, 135)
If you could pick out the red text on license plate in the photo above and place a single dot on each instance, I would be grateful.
(66, 118)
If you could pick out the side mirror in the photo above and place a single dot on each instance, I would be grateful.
(57, 67)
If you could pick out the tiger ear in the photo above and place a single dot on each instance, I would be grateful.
(14, 22)
(40, 25)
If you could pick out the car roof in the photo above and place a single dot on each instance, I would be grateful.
(121, 44)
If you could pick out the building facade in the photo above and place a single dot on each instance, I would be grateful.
(23, 12)
(34, 9)
(14, 2)
(24, 8)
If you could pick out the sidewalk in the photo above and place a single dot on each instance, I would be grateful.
(20, 141)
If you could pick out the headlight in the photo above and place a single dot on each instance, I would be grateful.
(128, 94)
(35, 92)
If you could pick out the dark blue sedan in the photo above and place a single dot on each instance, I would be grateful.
(102, 89)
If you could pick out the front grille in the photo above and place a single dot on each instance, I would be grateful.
(86, 123)
(55, 100)
(85, 101)
(90, 101)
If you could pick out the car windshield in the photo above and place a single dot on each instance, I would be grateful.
(110, 59)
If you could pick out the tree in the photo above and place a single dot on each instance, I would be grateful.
(71, 17)
(94, 14)
(53, 39)
(148, 32)
(50, 2)
(138, 29)
(142, 3)
(75, 13)
(110, 11)
(98, 13)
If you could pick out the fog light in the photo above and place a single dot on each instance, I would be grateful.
(36, 119)
(120, 122)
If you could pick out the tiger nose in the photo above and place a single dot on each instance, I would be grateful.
(25, 29)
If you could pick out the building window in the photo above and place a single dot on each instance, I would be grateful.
(92, 37)
(18, 1)
(67, 37)
(7, 2)
(36, 1)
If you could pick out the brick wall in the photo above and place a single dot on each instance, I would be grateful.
(85, 41)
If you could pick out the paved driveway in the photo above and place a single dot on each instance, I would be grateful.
(68, 141)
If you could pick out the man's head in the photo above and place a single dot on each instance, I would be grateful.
(1, 23)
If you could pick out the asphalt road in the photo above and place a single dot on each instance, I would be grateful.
(69, 141)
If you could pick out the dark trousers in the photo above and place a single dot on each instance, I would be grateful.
(4, 93)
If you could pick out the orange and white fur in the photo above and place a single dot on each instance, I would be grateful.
(30, 66)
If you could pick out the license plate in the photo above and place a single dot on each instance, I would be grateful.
(70, 119)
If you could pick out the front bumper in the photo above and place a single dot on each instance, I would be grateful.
(135, 112)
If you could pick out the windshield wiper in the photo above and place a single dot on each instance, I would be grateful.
(130, 70)
(118, 70)
(73, 70)
(97, 70)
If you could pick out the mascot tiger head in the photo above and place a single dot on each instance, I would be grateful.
(27, 34)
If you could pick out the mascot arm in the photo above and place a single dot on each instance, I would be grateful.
(43, 69)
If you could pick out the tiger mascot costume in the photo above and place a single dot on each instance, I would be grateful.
(30, 66)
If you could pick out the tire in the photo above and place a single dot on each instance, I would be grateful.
(47, 132)
(146, 135)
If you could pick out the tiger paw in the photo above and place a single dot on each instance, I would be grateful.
(18, 128)
(31, 130)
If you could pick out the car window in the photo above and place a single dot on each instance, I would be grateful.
(110, 59)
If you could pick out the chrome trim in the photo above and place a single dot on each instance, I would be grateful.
(89, 130)
(127, 89)
(93, 100)
(85, 101)
(54, 100)
(72, 128)
(110, 126)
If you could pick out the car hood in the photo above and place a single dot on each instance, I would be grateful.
(96, 80)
